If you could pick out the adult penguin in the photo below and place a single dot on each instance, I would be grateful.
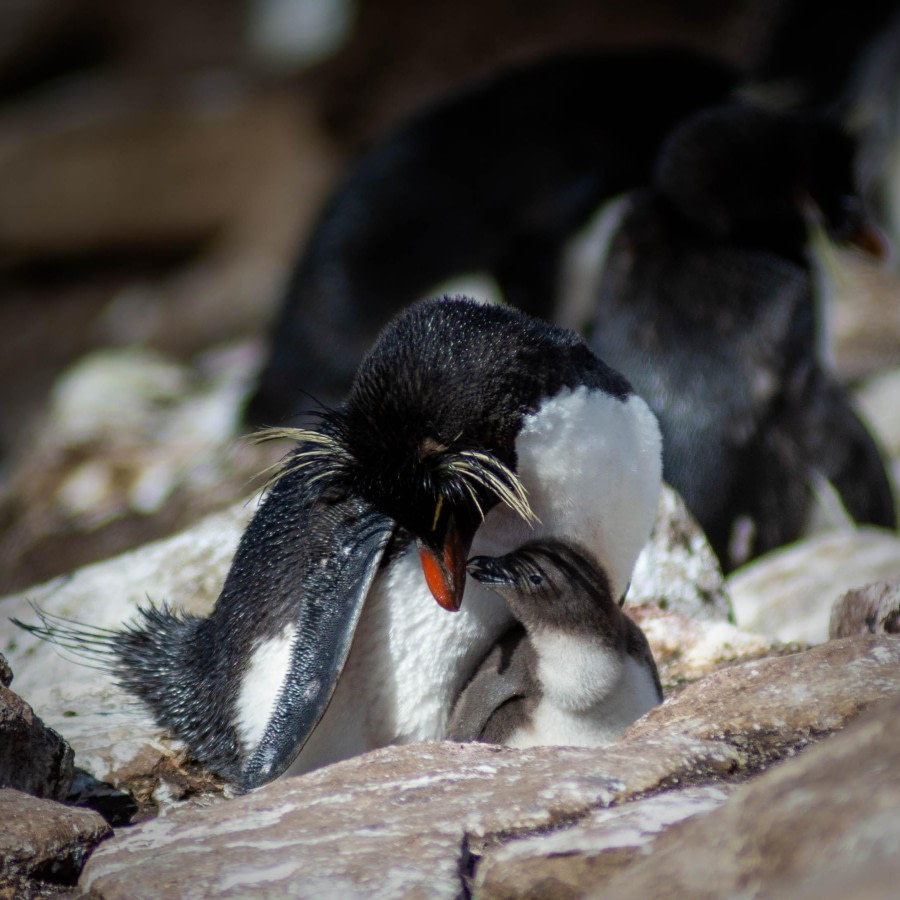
(492, 179)
(707, 304)
(468, 428)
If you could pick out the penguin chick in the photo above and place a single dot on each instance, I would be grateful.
(707, 304)
(575, 670)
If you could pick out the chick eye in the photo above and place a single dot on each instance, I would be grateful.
(535, 579)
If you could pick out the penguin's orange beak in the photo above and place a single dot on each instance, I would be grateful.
(869, 239)
(445, 569)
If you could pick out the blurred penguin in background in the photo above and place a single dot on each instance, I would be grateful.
(707, 304)
(492, 179)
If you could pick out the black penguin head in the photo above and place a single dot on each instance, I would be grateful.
(427, 434)
(552, 584)
(757, 175)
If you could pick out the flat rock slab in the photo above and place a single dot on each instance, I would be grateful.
(411, 821)
(771, 707)
(822, 825)
(401, 821)
(560, 863)
(788, 594)
(45, 840)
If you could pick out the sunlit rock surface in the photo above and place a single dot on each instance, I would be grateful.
(415, 820)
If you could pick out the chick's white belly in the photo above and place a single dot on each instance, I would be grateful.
(596, 724)
(408, 662)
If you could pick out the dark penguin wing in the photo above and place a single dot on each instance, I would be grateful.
(500, 694)
(836, 444)
(245, 687)
(493, 178)
(638, 647)
(321, 589)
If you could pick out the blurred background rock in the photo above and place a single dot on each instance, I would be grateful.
(160, 165)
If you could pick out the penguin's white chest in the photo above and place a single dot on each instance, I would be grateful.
(409, 660)
(591, 467)
(590, 693)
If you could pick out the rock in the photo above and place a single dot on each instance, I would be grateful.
(33, 758)
(873, 609)
(417, 817)
(219, 176)
(687, 649)
(113, 738)
(46, 841)
(788, 594)
(772, 707)
(413, 815)
(678, 597)
(677, 569)
(795, 831)
(561, 863)
(133, 444)
(154, 149)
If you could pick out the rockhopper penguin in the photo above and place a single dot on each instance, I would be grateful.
(707, 304)
(574, 670)
(468, 428)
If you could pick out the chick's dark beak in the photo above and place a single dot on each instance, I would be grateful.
(489, 570)
(444, 566)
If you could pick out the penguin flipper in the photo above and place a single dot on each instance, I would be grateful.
(503, 678)
(639, 647)
(342, 548)
(842, 449)
(245, 688)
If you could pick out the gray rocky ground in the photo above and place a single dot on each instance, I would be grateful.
(439, 819)
(434, 819)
